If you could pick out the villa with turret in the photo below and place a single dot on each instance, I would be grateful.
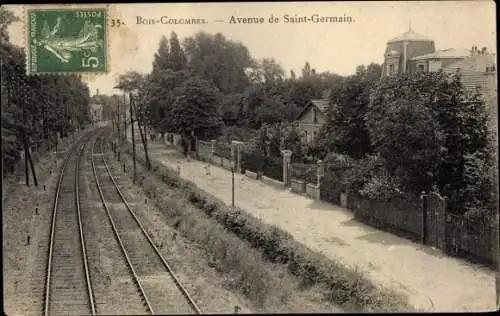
(411, 52)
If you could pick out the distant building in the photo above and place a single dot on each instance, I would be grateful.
(435, 61)
(96, 112)
(411, 52)
(311, 118)
(478, 71)
(401, 49)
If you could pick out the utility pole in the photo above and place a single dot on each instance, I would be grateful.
(125, 114)
(232, 185)
(21, 93)
(118, 125)
(133, 135)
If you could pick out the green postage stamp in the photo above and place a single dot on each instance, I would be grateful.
(67, 40)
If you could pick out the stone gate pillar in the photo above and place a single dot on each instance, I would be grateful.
(212, 150)
(287, 158)
(320, 172)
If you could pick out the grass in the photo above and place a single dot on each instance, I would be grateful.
(208, 221)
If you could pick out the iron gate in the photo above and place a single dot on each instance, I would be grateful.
(434, 220)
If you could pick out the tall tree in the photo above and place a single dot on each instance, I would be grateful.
(218, 60)
(431, 132)
(178, 60)
(162, 56)
(345, 132)
(196, 109)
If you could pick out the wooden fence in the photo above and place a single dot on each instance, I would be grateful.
(400, 216)
(470, 239)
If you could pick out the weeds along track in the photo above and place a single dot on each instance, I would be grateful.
(68, 288)
(160, 289)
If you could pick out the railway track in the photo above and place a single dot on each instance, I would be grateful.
(158, 286)
(68, 288)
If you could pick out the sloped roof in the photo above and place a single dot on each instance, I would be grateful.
(472, 70)
(445, 53)
(321, 104)
(474, 63)
(410, 35)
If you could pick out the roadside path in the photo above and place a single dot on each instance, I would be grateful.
(432, 280)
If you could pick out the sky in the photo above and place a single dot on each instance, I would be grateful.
(334, 47)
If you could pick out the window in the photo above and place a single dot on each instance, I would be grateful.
(391, 69)
(315, 119)
(420, 67)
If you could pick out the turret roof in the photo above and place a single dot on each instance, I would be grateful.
(410, 35)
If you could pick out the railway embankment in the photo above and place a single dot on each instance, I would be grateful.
(26, 215)
(257, 258)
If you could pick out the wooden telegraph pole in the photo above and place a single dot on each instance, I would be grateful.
(124, 114)
(131, 97)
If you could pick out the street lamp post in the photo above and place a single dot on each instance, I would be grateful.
(232, 185)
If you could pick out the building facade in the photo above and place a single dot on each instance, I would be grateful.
(96, 112)
(311, 118)
(401, 49)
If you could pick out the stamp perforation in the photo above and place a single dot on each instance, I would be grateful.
(26, 38)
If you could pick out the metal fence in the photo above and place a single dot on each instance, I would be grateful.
(204, 150)
(273, 168)
(223, 150)
(330, 189)
(252, 162)
(312, 175)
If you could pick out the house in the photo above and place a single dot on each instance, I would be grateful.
(311, 118)
(435, 61)
(96, 112)
(478, 71)
(411, 52)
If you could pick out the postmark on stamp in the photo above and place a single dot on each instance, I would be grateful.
(67, 40)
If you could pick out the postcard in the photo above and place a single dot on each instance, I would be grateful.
(267, 157)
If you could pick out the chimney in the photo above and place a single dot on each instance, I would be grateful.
(97, 92)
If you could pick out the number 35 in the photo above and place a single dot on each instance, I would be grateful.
(90, 62)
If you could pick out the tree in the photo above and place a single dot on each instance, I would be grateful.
(345, 131)
(266, 71)
(196, 109)
(169, 73)
(431, 132)
(178, 60)
(219, 61)
(162, 56)
(35, 108)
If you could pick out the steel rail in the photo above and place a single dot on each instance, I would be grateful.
(53, 225)
(115, 231)
(165, 264)
(80, 226)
